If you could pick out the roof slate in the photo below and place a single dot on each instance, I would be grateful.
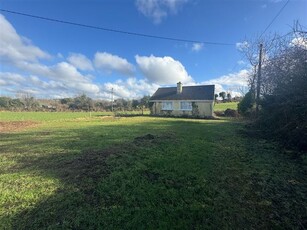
(198, 92)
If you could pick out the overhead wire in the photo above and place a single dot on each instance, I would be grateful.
(116, 30)
(272, 21)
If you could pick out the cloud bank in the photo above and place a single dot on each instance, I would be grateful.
(27, 69)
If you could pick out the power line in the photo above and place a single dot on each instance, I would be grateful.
(279, 12)
(115, 30)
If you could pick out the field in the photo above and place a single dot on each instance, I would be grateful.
(76, 171)
(226, 105)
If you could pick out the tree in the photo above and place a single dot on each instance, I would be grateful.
(135, 103)
(222, 95)
(8, 103)
(284, 110)
(283, 91)
(4, 102)
(16, 104)
(66, 101)
(245, 106)
(82, 102)
(29, 101)
(216, 96)
(229, 96)
(145, 101)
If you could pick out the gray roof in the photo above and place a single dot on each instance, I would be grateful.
(198, 92)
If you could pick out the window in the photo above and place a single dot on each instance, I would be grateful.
(185, 105)
(167, 105)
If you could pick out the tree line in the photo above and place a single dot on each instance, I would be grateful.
(82, 102)
(226, 97)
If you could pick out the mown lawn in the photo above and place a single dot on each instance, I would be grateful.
(80, 172)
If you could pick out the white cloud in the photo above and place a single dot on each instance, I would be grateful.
(233, 79)
(67, 72)
(163, 70)
(62, 71)
(62, 79)
(130, 88)
(11, 79)
(197, 47)
(242, 45)
(45, 88)
(109, 63)
(233, 83)
(157, 10)
(14, 48)
(80, 61)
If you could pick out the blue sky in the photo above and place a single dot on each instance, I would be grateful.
(53, 60)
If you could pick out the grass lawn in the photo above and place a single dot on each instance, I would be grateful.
(72, 171)
(226, 105)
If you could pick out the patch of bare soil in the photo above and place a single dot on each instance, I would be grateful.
(12, 126)
(91, 165)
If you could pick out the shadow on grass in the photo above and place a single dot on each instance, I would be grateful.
(169, 173)
(79, 167)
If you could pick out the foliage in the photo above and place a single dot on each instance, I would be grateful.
(231, 113)
(11, 104)
(195, 109)
(229, 97)
(82, 102)
(284, 111)
(66, 101)
(245, 106)
(283, 86)
(222, 95)
(144, 172)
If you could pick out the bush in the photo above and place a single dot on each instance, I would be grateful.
(245, 106)
(283, 114)
(231, 113)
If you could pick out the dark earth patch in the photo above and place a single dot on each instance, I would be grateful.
(11, 126)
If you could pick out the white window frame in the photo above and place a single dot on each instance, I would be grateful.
(186, 105)
(167, 105)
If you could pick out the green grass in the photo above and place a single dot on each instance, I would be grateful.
(48, 116)
(73, 172)
(226, 105)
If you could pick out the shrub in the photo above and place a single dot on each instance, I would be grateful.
(245, 106)
(231, 113)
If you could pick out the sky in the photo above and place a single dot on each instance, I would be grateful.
(54, 60)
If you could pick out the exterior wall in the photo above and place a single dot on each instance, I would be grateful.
(199, 109)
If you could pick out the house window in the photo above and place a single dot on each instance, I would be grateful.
(167, 105)
(185, 105)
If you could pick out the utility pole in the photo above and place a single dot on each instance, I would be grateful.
(112, 98)
(259, 78)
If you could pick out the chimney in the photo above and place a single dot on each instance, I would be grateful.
(179, 88)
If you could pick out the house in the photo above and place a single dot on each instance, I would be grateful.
(187, 101)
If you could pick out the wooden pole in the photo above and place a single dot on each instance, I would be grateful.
(112, 99)
(259, 78)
